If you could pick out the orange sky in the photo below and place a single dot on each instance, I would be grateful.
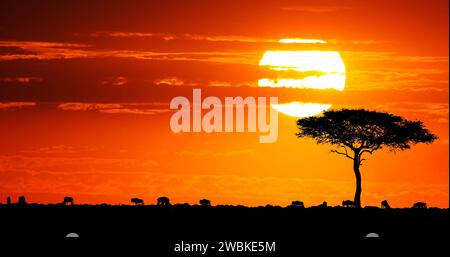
(85, 90)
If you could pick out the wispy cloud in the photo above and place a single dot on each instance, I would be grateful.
(60, 149)
(126, 34)
(170, 81)
(133, 111)
(314, 9)
(22, 80)
(355, 42)
(43, 50)
(209, 38)
(228, 38)
(113, 108)
(53, 50)
(10, 105)
(87, 106)
(301, 41)
(391, 56)
(116, 81)
(196, 37)
(400, 79)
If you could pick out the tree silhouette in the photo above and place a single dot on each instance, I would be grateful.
(357, 132)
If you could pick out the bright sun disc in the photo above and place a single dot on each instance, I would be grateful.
(328, 64)
(301, 110)
(303, 69)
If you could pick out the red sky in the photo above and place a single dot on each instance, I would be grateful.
(85, 89)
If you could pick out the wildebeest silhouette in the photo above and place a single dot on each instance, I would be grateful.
(164, 201)
(420, 205)
(22, 200)
(348, 203)
(385, 204)
(8, 200)
(205, 202)
(137, 201)
(297, 204)
(68, 200)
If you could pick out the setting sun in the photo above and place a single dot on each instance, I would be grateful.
(303, 69)
(301, 110)
(328, 65)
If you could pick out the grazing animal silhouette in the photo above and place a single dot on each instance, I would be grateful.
(385, 205)
(205, 202)
(348, 203)
(137, 201)
(8, 200)
(297, 204)
(164, 201)
(22, 200)
(420, 205)
(68, 200)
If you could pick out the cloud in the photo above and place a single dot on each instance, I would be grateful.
(398, 79)
(43, 50)
(392, 56)
(233, 38)
(53, 50)
(314, 9)
(301, 41)
(114, 108)
(170, 81)
(195, 37)
(218, 57)
(60, 149)
(122, 34)
(87, 106)
(176, 81)
(117, 81)
(229, 38)
(355, 42)
(126, 34)
(10, 105)
(22, 80)
(133, 111)
(220, 84)
(56, 149)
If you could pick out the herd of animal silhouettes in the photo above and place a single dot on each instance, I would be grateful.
(164, 201)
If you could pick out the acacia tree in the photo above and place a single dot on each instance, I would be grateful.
(359, 132)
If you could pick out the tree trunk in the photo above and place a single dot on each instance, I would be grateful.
(356, 164)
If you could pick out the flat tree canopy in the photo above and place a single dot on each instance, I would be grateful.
(364, 130)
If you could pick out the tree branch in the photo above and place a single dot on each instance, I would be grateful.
(360, 161)
(349, 145)
(369, 150)
(341, 153)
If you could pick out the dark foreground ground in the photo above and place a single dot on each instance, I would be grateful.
(159, 228)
